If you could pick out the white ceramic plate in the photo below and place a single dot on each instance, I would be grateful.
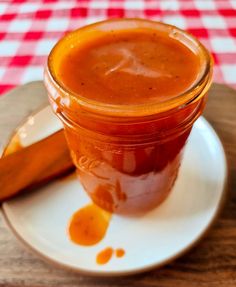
(40, 219)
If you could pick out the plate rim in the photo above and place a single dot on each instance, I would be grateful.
(105, 273)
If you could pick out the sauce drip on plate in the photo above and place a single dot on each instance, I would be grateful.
(88, 225)
(120, 252)
(104, 256)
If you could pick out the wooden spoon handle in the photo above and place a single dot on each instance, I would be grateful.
(34, 165)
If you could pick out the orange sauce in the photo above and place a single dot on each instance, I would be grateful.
(104, 256)
(120, 252)
(127, 163)
(88, 225)
(129, 68)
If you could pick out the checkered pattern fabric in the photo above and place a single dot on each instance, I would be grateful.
(29, 29)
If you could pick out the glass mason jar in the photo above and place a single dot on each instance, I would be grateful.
(127, 156)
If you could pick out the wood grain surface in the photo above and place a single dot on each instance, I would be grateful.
(211, 263)
(51, 160)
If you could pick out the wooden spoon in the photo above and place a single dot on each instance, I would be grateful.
(34, 165)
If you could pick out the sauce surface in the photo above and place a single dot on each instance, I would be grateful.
(88, 225)
(129, 68)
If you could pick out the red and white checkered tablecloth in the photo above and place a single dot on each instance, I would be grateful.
(29, 29)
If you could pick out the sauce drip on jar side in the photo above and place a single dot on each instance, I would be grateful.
(88, 225)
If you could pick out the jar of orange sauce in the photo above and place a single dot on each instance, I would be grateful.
(128, 92)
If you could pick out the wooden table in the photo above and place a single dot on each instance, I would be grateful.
(211, 263)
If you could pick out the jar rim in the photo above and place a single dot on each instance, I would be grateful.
(193, 93)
